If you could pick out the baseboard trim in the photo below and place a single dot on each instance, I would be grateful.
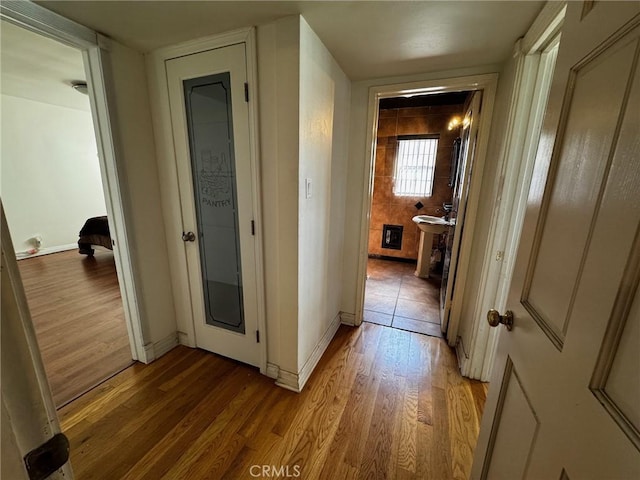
(348, 319)
(273, 371)
(288, 380)
(153, 351)
(463, 361)
(296, 381)
(48, 250)
(183, 339)
(313, 360)
(165, 345)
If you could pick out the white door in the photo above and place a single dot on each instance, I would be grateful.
(461, 184)
(564, 401)
(210, 122)
(28, 414)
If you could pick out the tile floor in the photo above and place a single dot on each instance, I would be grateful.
(396, 298)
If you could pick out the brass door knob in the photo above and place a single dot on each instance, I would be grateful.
(494, 318)
(188, 236)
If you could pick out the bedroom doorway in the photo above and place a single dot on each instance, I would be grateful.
(52, 184)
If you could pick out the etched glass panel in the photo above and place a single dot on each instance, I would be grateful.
(210, 127)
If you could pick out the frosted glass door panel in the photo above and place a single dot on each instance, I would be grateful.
(210, 127)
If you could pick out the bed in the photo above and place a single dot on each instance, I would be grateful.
(94, 232)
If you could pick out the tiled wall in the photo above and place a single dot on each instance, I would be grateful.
(386, 207)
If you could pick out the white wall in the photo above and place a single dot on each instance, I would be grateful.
(278, 46)
(324, 109)
(141, 194)
(50, 172)
(304, 114)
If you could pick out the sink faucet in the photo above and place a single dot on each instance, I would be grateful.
(447, 209)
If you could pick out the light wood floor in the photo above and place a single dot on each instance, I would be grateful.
(77, 313)
(382, 403)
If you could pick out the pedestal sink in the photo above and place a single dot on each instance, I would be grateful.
(429, 226)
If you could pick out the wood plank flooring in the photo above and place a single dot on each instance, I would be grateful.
(78, 317)
(382, 403)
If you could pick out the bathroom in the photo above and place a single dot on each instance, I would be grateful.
(417, 147)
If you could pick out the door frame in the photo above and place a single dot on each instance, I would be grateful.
(165, 149)
(29, 414)
(534, 70)
(487, 83)
(95, 52)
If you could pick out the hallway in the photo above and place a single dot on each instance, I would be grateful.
(395, 297)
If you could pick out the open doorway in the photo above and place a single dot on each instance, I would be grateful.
(417, 175)
(51, 185)
(478, 89)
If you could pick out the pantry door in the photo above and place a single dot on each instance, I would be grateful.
(564, 401)
(210, 124)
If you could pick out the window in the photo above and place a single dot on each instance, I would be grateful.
(415, 166)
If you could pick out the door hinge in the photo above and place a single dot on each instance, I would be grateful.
(258, 336)
(253, 227)
(246, 92)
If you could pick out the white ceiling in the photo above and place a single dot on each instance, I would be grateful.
(368, 39)
(38, 68)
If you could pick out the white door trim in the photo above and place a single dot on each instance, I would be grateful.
(534, 70)
(487, 83)
(94, 48)
(165, 149)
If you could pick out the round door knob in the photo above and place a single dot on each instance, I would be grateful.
(188, 236)
(494, 318)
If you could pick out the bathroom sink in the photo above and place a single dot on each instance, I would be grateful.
(429, 224)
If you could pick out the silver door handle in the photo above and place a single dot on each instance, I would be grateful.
(188, 236)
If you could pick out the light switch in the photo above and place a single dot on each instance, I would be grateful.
(307, 188)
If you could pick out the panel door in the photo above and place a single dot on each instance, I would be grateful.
(564, 401)
(210, 121)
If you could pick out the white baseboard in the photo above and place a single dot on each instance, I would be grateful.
(296, 381)
(183, 339)
(165, 345)
(313, 360)
(272, 370)
(48, 250)
(153, 351)
(288, 380)
(463, 361)
(348, 319)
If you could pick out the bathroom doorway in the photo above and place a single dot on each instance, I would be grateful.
(473, 89)
(416, 172)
